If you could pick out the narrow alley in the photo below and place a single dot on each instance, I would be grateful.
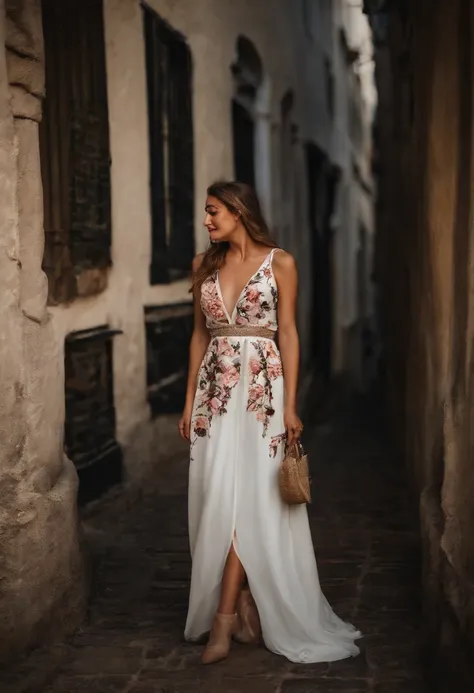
(363, 520)
(353, 122)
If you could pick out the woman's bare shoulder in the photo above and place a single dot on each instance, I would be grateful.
(284, 262)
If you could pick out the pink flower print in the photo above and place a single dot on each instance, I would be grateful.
(263, 370)
(253, 310)
(255, 366)
(211, 302)
(200, 422)
(241, 320)
(274, 370)
(275, 442)
(201, 426)
(230, 376)
(219, 373)
(215, 405)
(256, 392)
(252, 295)
(267, 272)
(271, 351)
(224, 348)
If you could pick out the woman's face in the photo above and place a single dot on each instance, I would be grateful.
(219, 221)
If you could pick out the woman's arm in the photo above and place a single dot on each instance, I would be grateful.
(286, 276)
(197, 348)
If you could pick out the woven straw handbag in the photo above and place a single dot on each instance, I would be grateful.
(294, 479)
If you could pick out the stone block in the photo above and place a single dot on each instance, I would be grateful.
(26, 73)
(42, 565)
(24, 28)
(25, 105)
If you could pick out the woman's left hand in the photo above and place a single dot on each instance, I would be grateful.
(293, 426)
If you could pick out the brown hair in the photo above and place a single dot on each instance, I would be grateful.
(241, 198)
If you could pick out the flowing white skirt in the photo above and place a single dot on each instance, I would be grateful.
(234, 497)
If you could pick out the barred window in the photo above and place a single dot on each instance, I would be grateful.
(89, 429)
(75, 152)
(168, 333)
(169, 82)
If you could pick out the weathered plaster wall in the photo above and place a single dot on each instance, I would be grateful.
(356, 193)
(41, 569)
(425, 268)
(212, 30)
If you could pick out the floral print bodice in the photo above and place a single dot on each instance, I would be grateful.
(256, 305)
(249, 360)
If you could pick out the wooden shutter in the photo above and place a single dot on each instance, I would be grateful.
(181, 160)
(169, 80)
(156, 68)
(74, 143)
(89, 429)
(168, 333)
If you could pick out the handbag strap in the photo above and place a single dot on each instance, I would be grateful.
(298, 449)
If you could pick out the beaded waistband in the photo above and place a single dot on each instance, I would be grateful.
(242, 331)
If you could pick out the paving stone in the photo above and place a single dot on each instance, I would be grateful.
(401, 686)
(321, 685)
(353, 667)
(226, 685)
(105, 660)
(365, 538)
(87, 684)
(314, 670)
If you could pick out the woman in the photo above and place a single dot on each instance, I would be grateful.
(238, 416)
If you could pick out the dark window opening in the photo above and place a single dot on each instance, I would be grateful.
(75, 152)
(322, 187)
(287, 146)
(244, 144)
(89, 438)
(247, 72)
(329, 86)
(168, 333)
(169, 82)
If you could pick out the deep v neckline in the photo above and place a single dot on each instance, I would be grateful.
(230, 316)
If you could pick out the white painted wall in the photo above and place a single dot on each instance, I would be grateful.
(212, 28)
(293, 54)
(355, 202)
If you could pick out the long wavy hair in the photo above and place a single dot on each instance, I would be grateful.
(242, 199)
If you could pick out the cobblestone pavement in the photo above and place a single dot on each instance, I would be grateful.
(363, 524)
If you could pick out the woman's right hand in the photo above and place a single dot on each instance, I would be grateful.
(184, 424)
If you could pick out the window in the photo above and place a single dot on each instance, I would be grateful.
(329, 86)
(287, 145)
(243, 130)
(169, 80)
(89, 438)
(74, 145)
(168, 333)
(247, 72)
(307, 16)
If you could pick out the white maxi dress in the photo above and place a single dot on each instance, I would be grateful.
(237, 443)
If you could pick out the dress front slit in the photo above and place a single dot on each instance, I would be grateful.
(237, 444)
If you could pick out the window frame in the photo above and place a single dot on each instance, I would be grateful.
(169, 74)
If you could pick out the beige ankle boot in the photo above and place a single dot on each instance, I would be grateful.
(250, 630)
(223, 628)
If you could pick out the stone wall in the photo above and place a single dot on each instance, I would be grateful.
(425, 261)
(41, 569)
